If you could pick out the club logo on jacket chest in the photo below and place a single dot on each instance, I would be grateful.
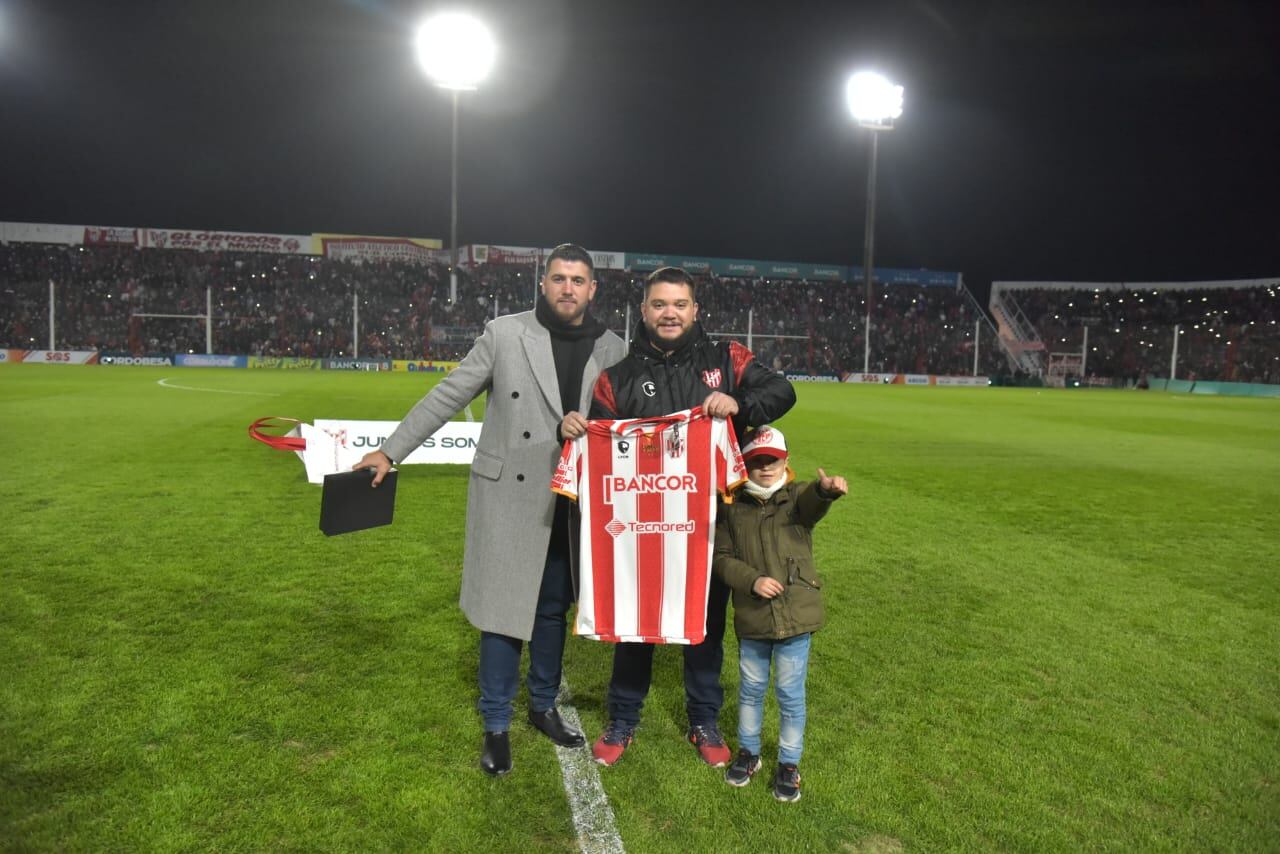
(711, 378)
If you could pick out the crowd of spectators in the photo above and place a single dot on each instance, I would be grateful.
(1225, 333)
(114, 298)
(818, 327)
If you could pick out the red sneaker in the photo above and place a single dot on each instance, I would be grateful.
(609, 748)
(710, 744)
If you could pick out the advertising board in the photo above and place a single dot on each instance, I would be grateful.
(335, 445)
(203, 360)
(59, 357)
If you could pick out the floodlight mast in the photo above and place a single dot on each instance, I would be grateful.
(874, 103)
(456, 52)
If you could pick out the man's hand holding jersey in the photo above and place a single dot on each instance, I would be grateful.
(720, 405)
(573, 425)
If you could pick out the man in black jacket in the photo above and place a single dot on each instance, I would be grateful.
(674, 365)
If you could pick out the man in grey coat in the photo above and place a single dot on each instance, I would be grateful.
(538, 368)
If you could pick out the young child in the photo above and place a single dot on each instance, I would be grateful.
(764, 552)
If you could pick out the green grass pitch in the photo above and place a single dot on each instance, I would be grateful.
(1053, 624)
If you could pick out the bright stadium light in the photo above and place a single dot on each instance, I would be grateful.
(456, 51)
(874, 103)
(873, 100)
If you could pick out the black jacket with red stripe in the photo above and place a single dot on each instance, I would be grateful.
(650, 381)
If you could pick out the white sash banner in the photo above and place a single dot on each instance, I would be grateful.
(335, 445)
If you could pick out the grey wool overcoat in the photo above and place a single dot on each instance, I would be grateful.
(509, 500)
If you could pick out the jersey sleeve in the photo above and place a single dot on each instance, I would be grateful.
(569, 468)
(731, 471)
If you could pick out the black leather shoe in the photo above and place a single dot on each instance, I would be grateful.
(496, 758)
(550, 724)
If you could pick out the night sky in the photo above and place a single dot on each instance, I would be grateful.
(1085, 140)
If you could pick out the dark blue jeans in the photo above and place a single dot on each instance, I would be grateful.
(703, 693)
(500, 654)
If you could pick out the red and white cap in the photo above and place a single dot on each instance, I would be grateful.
(766, 442)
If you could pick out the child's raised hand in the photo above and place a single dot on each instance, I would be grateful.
(766, 587)
(832, 485)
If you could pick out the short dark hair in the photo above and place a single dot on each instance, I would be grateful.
(671, 276)
(572, 252)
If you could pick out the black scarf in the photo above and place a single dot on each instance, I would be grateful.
(571, 346)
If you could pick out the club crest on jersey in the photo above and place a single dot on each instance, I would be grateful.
(711, 378)
(340, 436)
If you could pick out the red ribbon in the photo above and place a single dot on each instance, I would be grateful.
(280, 443)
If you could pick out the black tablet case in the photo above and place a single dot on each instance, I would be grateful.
(348, 503)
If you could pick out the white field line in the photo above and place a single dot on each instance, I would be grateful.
(165, 382)
(592, 815)
(470, 417)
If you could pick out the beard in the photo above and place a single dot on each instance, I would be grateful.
(576, 311)
(669, 345)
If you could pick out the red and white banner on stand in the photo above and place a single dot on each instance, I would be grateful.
(354, 247)
(107, 236)
(217, 241)
(530, 255)
(515, 255)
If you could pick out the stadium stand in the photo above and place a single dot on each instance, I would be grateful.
(141, 301)
(1227, 333)
(137, 292)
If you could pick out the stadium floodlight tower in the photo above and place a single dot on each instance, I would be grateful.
(874, 103)
(456, 51)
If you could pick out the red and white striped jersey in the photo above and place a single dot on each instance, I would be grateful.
(646, 488)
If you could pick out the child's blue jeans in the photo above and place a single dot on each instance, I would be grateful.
(791, 660)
